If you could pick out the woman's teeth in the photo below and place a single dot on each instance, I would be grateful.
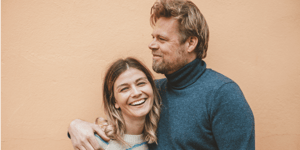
(138, 102)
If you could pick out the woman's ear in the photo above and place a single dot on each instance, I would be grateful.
(192, 42)
(117, 106)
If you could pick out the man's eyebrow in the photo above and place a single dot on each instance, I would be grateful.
(156, 34)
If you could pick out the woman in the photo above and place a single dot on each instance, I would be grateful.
(131, 104)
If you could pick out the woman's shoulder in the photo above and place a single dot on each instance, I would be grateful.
(103, 144)
(135, 141)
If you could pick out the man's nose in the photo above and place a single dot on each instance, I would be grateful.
(153, 45)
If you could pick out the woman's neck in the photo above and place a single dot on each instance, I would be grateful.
(134, 126)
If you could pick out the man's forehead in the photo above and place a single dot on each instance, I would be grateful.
(166, 22)
(165, 26)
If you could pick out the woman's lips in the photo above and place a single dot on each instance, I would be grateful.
(138, 102)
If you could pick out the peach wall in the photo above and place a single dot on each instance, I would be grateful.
(54, 54)
(0, 84)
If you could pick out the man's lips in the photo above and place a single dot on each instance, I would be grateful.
(155, 55)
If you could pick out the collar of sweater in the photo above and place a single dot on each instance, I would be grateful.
(133, 138)
(187, 75)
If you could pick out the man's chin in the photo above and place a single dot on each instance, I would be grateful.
(158, 69)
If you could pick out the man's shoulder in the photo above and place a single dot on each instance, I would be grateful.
(213, 77)
(219, 83)
(160, 82)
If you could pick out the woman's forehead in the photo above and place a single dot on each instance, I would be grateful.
(131, 75)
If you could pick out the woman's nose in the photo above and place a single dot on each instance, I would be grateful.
(135, 92)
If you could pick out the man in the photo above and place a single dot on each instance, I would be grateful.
(202, 109)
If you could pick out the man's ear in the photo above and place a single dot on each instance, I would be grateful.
(192, 42)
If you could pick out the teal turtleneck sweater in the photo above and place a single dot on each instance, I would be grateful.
(203, 110)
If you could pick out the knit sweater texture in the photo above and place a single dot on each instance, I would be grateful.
(135, 141)
(204, 110)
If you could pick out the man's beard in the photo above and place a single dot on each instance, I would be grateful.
(165, 67)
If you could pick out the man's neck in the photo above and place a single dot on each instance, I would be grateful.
(188, 60)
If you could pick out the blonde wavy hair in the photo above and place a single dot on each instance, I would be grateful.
(116, 124)
(191, 22)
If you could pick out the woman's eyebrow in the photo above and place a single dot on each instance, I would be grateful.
(124, 84)
(137, 80)
(142, 78)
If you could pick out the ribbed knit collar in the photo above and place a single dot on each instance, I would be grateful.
(187, 75)
(133, 138)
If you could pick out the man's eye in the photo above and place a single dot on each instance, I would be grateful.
(161, 39)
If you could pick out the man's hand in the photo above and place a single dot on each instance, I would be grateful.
(82, 135)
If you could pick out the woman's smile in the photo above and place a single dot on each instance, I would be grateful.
(138, 102)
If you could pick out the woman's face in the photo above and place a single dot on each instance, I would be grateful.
(133, 93)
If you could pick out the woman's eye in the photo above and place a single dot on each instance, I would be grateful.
(141, 83)
(123, 89)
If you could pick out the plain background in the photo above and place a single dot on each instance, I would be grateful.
(55, 53)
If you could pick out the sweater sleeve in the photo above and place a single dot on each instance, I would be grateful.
(232, 119)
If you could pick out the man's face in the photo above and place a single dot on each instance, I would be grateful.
(169, 54)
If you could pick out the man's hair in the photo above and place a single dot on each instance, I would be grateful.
(116, 127)
(191, 22)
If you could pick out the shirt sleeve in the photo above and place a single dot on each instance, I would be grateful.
(101, 142)
(232, 119)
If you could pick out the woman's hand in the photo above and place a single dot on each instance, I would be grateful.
(82, 135)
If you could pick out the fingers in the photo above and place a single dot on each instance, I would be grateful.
(88, 146)
(79, 145)
(101, 121)
(81, 132)
(101, 133)
(85, 145)
(94, 144)
(80, 148)
(82, 135)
